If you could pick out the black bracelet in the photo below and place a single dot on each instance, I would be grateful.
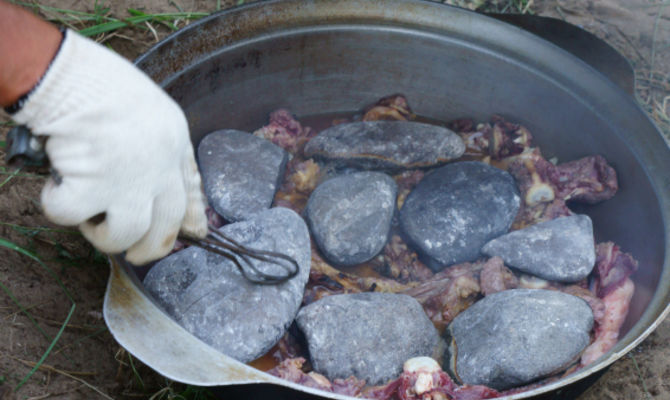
(18, 104)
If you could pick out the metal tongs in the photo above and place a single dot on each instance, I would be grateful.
(25, 149)
(242, 257)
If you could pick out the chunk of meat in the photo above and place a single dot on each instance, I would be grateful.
(462, 125)
(613, 286)
(616, 303)
(285, 131)
(325, 280)
(390, 108)
(287, 347)
(587, 180)
(403, 264)
(534, 176)
(612, 268)
(291, 370)
(507, 138)
(597, 304)
(496, 277)
(406, 181)
(546, 187)
(423, 379)
(448, 293)
(531, 215)
(527, 281)
(498, 139)
(300, 179)
(213, 218)
(476, 143)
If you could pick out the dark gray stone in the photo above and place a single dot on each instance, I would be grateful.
(240, 172)
(386, 145)
(206, 294)
(562, 249)
(367, 335)
(350, 216)
(456, 209)
(514, 337)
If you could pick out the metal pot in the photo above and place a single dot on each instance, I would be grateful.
(321, 56)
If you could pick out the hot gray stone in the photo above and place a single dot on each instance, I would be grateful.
(240, 172)
(386, 145)
(514, 337)
(206, 294)
(456, 209)
(562, 249)
(350, 216)
(367, 335)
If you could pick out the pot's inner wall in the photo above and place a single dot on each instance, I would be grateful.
(335, 69)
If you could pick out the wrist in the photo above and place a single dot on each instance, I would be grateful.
(27, 47)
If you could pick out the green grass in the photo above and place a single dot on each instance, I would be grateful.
(14, 247)
(138, 18)
(639, 374)
(188, 392)
(10, 177)
(100, 21)
(136, 374)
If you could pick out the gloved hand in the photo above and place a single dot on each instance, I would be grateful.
(122, 148)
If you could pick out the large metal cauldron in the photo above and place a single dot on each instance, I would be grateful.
(319, 56)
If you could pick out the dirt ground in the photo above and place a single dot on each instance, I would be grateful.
(87, 363)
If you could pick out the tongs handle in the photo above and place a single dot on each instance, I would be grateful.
(223, 245)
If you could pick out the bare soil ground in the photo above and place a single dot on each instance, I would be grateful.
(87, 363)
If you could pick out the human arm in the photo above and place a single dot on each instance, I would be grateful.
(120, 144)
(27, 45)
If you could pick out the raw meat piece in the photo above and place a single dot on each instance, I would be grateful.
(324, 280)
(402, 264)
(506, 138)
(611, 283)
(612, 268)
(496, 277)
(497, 139)
(476, 143)
(541, 212)
(285, 131)
(534, 176)
(214, 219)
(448, 293)
(597, 304)
(300, 179)
(587, 180)
(406, 182)
(390, 108)
(423, 379)
(291, 370)
(616, 303)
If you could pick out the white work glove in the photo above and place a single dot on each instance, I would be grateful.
(122, 148)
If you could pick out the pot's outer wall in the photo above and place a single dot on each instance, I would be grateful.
(231, 69)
